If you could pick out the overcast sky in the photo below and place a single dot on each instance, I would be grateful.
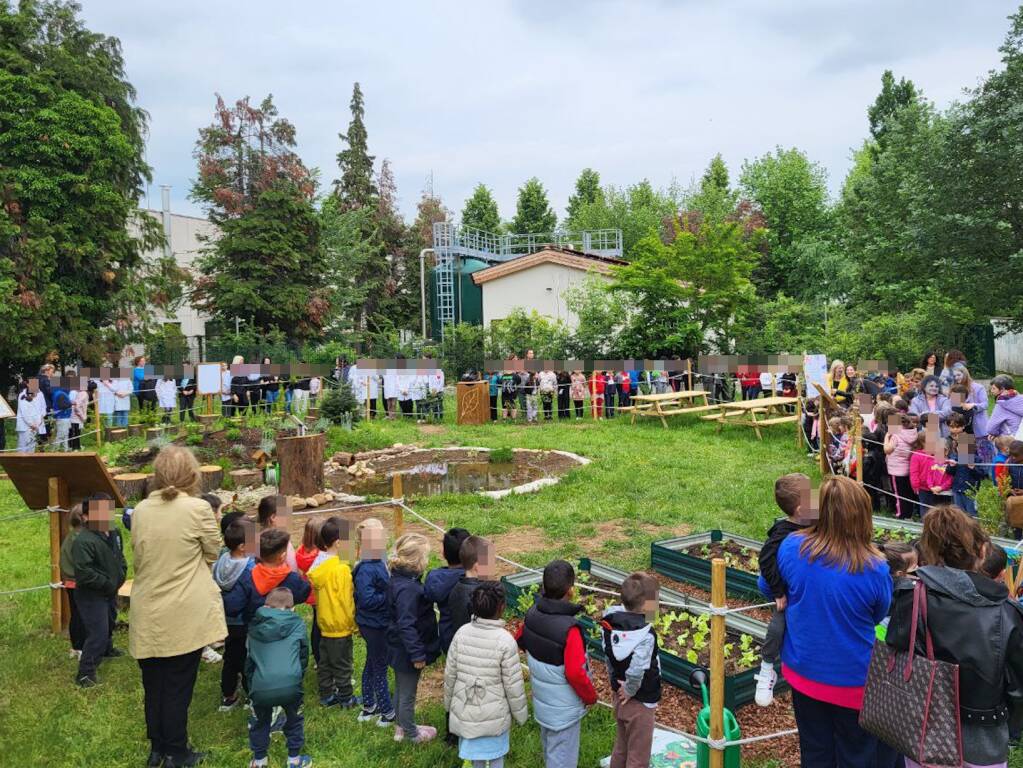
(501, 90)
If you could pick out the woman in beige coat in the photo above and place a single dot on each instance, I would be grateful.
(483, 688)
(176, 608)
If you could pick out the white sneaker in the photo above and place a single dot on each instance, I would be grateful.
(766, 678)
(73, 654)
(210, 656)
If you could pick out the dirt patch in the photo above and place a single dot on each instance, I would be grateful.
(678, 710)
(431, 682)
(432, 429)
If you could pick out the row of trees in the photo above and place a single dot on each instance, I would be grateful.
(917, 249)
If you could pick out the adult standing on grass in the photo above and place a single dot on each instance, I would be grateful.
(1008, 412)
(932, 404)
(973, 623)
(176, 609)
(839, 590)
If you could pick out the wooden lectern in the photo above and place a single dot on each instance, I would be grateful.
(58, 481)
(473, 402)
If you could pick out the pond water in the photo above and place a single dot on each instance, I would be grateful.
(446, 477)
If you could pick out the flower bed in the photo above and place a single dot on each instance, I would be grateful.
(687, 559)
(915, 529)
(682, 628)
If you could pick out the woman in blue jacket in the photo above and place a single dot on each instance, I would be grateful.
(839, 589)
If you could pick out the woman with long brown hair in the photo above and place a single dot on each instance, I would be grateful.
(973, 623)
(839, 589)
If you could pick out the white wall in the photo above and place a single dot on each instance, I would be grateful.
(1008, 350)
(185, 244)
(540, 288)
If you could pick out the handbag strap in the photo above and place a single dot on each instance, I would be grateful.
(927, 628)
(907, 672)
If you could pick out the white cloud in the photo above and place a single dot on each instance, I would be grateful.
(499, 91)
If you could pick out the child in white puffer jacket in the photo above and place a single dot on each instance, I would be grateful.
(483, 687)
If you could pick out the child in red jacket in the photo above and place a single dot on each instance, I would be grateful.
(597, 393)
(304, 557)
(927, 476)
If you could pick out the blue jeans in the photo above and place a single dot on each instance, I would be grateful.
(965, 503)
(294, 729)
(830, 735)
(120, 418)
(375, 693)
(288, 395)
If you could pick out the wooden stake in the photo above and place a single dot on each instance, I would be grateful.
(799, 419)
(717, 661)
(59, 498)
(397, 492)
(99, 429)
(367, 398)
(858, 447)
(689, 371)
(593, 395)
(823, 438)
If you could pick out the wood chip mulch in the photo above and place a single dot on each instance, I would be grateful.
(678, 710)
(760, 614)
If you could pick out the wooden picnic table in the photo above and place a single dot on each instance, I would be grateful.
(670, 404)
(745, 412)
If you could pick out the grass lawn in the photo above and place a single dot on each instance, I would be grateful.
(645, 483)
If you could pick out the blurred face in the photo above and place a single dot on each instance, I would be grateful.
(486, 565)
(958, 374)
(931, 388)
(932, 360)
(850, 371)
(374, 542)
(100, 514)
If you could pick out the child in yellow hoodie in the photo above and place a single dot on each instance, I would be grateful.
(331, 577)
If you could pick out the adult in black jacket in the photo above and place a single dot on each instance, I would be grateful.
(240, 393)
(100, 570)
(875, 469)
(974, 624)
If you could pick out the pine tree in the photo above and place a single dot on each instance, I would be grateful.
(533, 210)
(355, 188)
(587, 190)
(893, 97)
(716, 175)
(480, 211)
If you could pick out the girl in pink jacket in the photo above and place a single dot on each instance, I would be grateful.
(898, 446)
(927, 476)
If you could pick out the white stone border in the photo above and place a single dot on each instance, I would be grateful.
(531, 487)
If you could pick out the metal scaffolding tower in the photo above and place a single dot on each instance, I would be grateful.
(452, 243)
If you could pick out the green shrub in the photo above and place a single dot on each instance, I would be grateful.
(502, 456)
(991, 510)
(339, 406)
(232, 433)
(194, 438)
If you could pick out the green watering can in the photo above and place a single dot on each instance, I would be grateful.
(698, 678)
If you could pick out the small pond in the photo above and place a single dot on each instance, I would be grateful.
(428, 472)
(447, 477)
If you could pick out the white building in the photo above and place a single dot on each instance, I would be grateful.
(538, 282)
(1008, 349)
(185, 241)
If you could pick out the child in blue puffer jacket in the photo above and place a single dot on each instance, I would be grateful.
(371, 577)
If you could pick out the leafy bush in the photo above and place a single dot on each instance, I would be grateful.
(193, 438)
(232, 433)
(991, 510)
(502, 456)
(338, 405)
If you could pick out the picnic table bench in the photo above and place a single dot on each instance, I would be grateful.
(745, 413)
(671, 404)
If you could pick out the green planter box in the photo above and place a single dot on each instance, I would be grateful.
(739, 689)
(668, 558)
(894, 524)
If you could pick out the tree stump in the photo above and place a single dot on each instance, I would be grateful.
(246, 478)
(154, 433)
(314, 413)
(135, 430)
(116, 435)
(211, 477)
(132, 484)
(301, 462)
(207, 419)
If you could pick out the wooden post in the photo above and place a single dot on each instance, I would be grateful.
(593, 395)
(397, 492)
(301, 464)
(689, 372)
(209, 405)
(774, 385)
(717, 661)
(799, 420)
(99, 429)
(823, 438)
(858, 447)
(367, 398)
(59, 498)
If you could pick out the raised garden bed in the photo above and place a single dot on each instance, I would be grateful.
(682, 628)
(687, 559)
(915, 530)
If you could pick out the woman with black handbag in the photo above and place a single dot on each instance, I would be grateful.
(973, 624)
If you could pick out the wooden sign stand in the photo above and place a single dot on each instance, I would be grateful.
(56, 481)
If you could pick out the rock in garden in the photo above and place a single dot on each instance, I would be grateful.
(311, 501)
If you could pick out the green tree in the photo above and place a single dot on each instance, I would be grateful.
(72, 273)
(792, 193)
(600, 315)
(587, 191)
(357, 268)
(356, 187)
(480, 211)
(245, 151)
(167, 346)
(533, 211)
(268, 267)
(892, 98)
(638, 210)
(714, 199)
(520, 331)
(687, 294)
